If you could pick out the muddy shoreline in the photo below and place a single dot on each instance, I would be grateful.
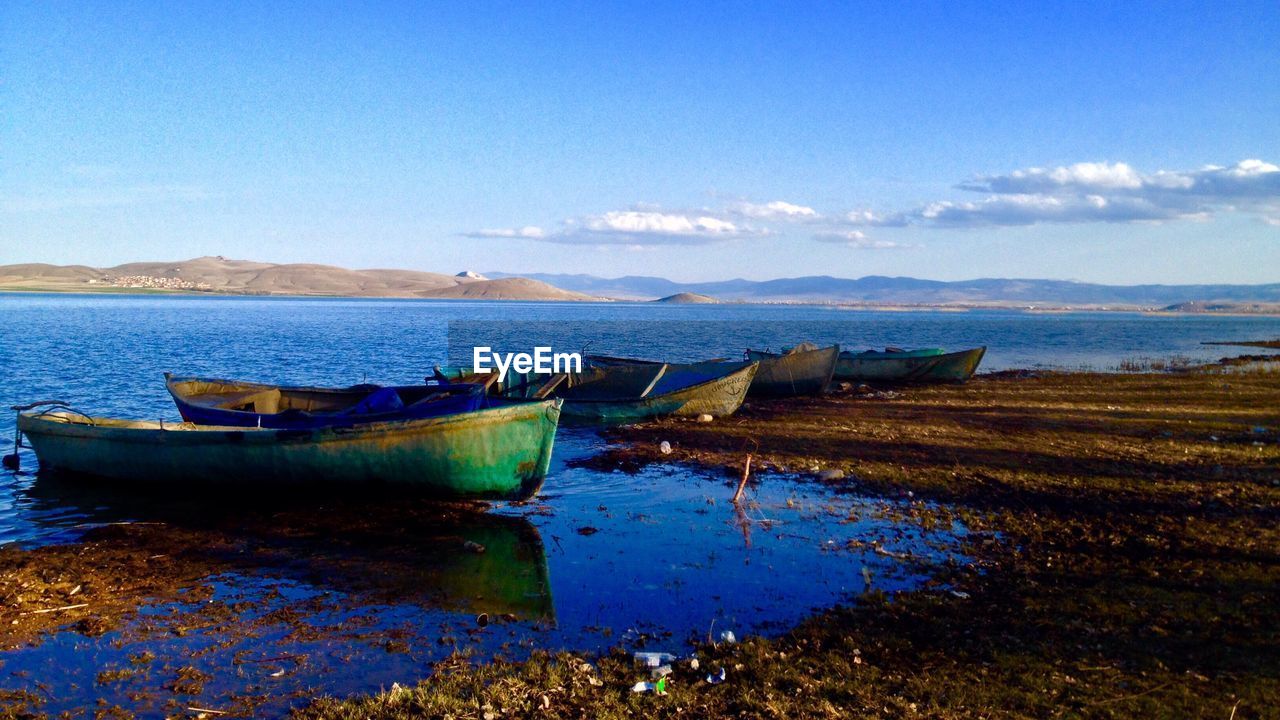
(1124, 531)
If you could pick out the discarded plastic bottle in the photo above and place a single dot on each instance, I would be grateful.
(727, 636)
(659, 687)
(654, 659)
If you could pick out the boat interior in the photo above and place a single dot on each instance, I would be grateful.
(623, 382)
(611, 383)
(267, 399)
(679, 377)
(77, 418)
(897, 352)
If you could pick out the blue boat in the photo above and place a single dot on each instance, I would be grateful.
(235, 403)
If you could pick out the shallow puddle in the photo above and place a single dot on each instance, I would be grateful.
(343, 596)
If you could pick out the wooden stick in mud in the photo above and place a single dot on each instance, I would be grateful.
(57, 609)
(746, 474)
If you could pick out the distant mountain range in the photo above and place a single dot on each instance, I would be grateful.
(245, 277)
(880, 290)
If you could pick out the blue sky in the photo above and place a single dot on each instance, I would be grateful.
(1116, 142)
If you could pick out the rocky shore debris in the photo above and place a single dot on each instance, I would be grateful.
(654, 659)
(658, 688)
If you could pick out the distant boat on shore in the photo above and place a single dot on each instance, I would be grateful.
(622, 391)
(909, 366)
(802, 370)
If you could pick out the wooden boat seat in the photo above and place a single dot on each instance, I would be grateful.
(262, 401)
(549, 386)
(621, 382)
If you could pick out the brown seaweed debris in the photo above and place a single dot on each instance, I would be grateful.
(91, 586)
(1127, 536)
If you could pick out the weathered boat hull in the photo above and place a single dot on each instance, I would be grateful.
(909, 367)
(214, 401)
(499, 453)
(629, 392)
(805, 372)
(718, 397)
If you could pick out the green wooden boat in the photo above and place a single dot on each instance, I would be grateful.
(609, 394)
(625, 393)
(500, 453)
(909, 366)
(803, 370)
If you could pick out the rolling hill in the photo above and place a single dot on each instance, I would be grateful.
(244, 277)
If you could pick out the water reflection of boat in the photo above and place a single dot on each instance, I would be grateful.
(467, 561)
(384, 550)
(497, 453)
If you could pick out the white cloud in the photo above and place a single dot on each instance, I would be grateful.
(645, 225)
(1087, 192)
(776, 210)
(1082, 177)
(855, 239)
(870, 218)
(637, 222)
(1247, 178)
(649, 227)
(529, 232)
(1027, 209)
(641, 226)
(1111, 192)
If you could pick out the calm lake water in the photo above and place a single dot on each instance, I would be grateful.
(652, 560)
(106, 353)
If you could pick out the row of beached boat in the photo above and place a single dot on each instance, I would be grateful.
(621, 390)
(460, 435)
